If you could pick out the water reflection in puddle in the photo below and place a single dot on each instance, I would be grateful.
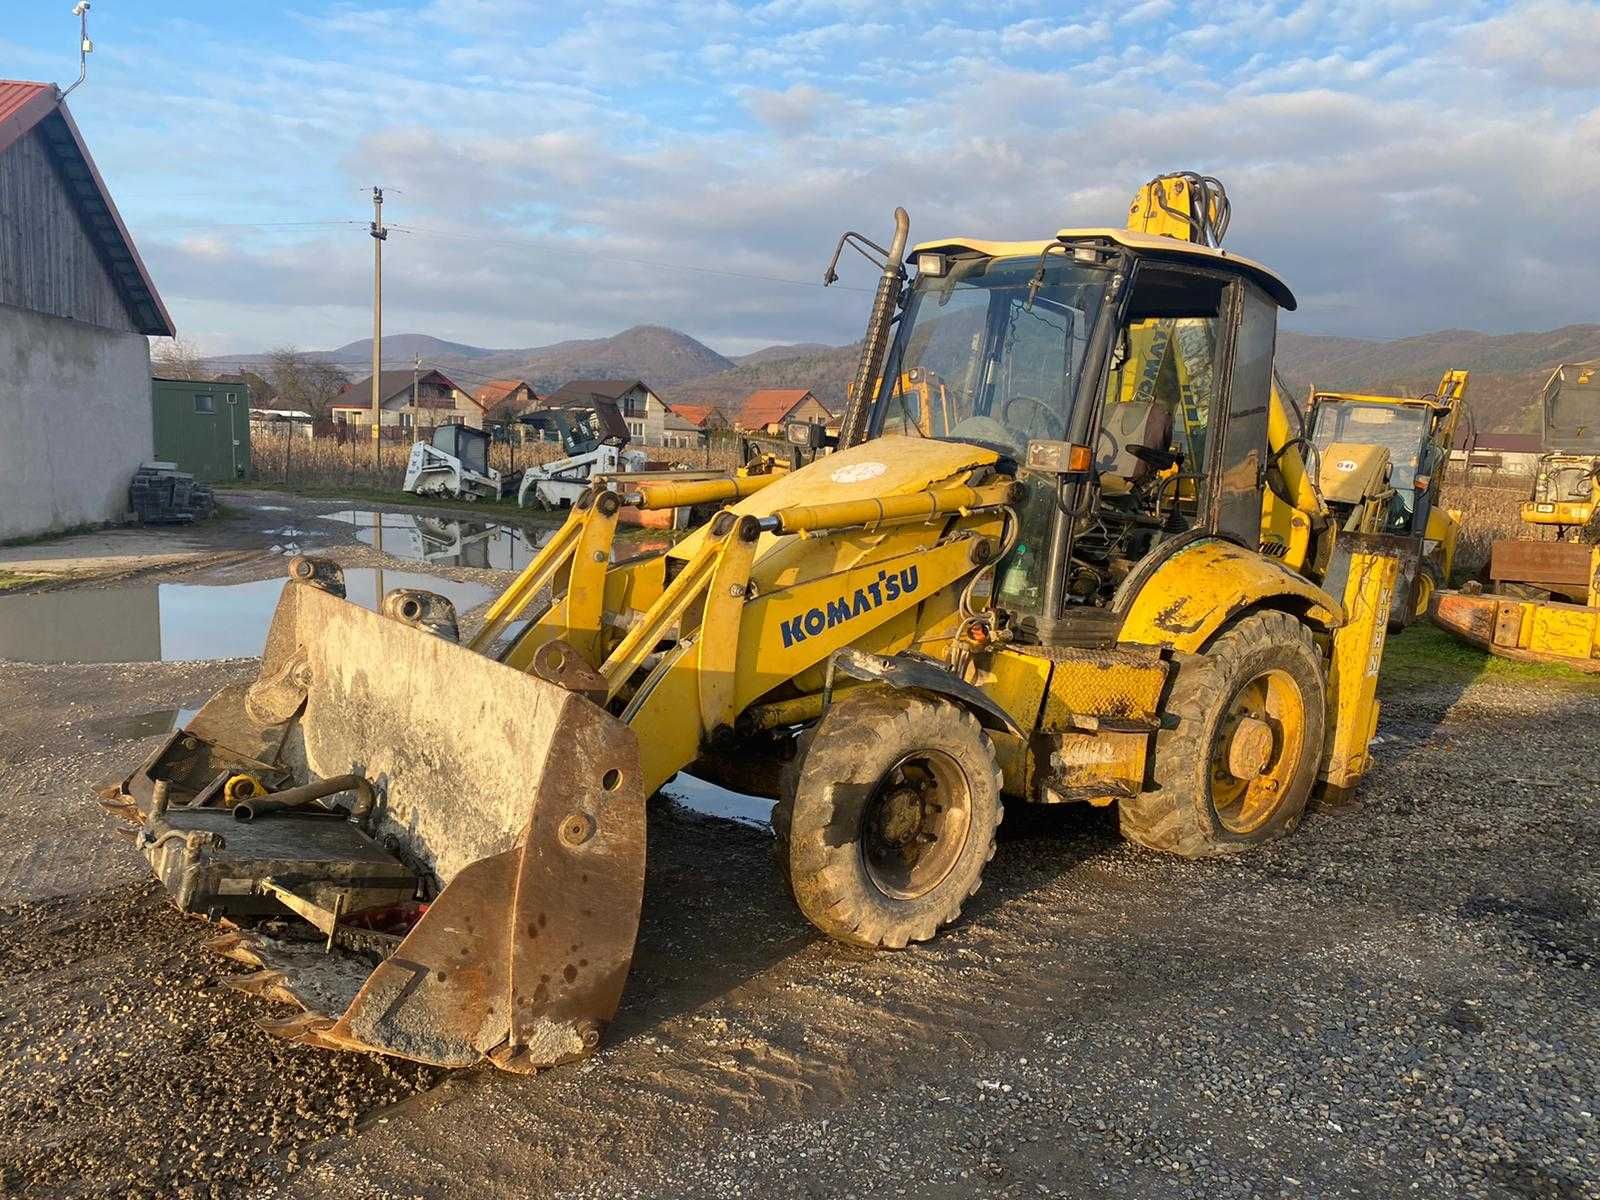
(447, 541)
(699, 796)
(177, 622)
(453, 542)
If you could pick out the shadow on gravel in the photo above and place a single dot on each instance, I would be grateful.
(717, 914)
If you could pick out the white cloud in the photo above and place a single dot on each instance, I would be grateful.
(1397, 189)
(1552, 43)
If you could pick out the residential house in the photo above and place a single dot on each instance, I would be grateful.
(506, 399)
(1495, 453)
(645, 412)
(705, 417)
(769, 407)
(294, 421)
(437, 401)
(77, 307)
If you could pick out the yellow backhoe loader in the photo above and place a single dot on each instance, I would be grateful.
(1358, 437)
(1542, 603)
(1071, 580)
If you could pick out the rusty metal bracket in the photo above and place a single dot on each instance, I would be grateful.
(560, 663)
(322, 573)
(424, 610)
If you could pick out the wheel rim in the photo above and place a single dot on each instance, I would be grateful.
(1257, 750)
(915, 824)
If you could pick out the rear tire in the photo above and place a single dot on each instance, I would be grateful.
(1241, 763)
(890, 817)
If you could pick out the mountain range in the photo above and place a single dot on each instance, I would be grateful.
(1507, 369)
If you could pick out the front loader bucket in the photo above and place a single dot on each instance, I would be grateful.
(517, 797)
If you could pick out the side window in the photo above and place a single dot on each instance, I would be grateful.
(1155, 441)
(1241, 466)
(205, 404)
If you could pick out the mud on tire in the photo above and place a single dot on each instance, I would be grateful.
(889, 817)
(1222, 787)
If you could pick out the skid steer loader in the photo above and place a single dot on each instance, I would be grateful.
(1357, 436)
(1056, 587)
(1542, 602)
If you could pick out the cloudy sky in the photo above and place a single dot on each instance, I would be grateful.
(566, 170)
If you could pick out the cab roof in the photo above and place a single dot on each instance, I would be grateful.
(1143, 243)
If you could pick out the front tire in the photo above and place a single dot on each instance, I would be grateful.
(890, 818)
(1240, 765)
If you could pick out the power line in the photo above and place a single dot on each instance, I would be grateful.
(317, 224)
(544, 248)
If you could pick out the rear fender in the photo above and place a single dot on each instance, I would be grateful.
(1197, 590)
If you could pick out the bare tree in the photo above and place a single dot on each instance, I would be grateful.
(177, 358)
(302, 382)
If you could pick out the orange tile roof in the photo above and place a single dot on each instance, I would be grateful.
(496, 391)
(697, 413)
(768, 406)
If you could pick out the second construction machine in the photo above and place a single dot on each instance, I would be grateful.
(1363, 439)
(1543, 598)
(1058, 589)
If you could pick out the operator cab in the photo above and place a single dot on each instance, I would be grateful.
(1126, 380)
(1401, 429)
(470, 446)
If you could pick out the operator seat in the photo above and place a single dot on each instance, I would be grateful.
(1141, 424)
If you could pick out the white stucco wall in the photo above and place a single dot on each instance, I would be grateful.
(74, 421)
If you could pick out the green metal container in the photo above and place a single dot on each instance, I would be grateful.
(203, 426)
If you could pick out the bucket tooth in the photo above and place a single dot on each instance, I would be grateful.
(305, 1028)
(239, 947)
(266, 982)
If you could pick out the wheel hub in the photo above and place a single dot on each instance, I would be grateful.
(1251, 748)
(1257, 748)
(915, 825)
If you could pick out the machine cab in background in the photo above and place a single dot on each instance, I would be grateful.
(1127, 377)
(470, 446)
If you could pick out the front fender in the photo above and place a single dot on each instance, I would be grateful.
(1199, 588)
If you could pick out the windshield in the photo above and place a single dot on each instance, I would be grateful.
(1399, 427)
(1572, 411)
(975, 360)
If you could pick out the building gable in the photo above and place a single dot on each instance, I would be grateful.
(66, 252)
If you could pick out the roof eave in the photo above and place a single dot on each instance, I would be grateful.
(165, 326)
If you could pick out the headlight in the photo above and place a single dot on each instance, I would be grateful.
(930, 264)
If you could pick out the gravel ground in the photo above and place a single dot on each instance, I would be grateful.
(1399, 999)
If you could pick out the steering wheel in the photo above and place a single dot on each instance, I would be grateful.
(1038, 405)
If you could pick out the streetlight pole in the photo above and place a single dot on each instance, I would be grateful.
(379, 234)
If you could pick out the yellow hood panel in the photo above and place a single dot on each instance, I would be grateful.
(893, 465)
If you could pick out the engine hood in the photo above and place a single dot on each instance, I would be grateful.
(887, 466)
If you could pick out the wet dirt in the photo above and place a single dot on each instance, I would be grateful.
(1401, 998)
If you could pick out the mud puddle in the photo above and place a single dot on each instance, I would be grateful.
(174, 622)
(445, 541)
(698, 796)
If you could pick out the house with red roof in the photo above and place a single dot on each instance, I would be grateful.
(506, 399)
(77, 309)
(705, 417)
(768, 407)
(420, 399)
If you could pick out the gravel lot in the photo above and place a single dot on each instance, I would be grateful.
(1400, 999)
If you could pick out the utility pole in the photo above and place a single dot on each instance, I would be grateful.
(416, 367)
(379, 234)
